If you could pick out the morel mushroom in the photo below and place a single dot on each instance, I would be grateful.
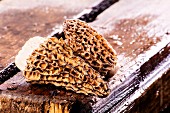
(52, 61)
(90, 46)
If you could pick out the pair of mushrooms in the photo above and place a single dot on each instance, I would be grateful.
(79, 63)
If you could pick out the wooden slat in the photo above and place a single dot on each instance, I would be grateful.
(155, 98)
(138, 31)
(20, 20)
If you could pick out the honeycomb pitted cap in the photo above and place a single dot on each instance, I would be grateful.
(53, 62)
(90, 46)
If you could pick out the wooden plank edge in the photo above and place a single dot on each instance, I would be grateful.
(132, 83)
(150, 91)
(25, 103)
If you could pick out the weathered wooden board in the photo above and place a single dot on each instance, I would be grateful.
(138, 31)
(20, 20)
(155, 98)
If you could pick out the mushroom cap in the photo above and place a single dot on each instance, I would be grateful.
(53, 62)
(90, 46)
(79, 63)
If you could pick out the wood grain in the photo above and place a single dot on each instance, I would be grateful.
(137, 30)
(21, 20)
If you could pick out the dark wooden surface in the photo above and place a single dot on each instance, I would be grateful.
(137, 30)
(20, 20)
